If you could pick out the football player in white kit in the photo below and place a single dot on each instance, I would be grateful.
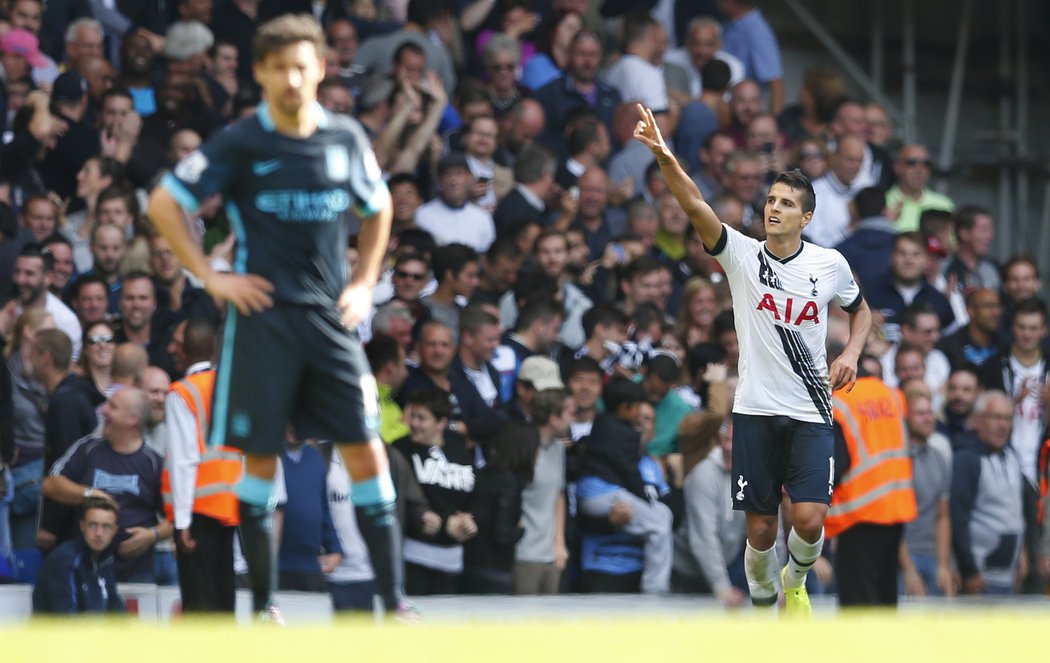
(782, 416)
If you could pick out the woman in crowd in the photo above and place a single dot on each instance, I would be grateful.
(97, 174)
(96, 361)
(696, 316)
(552, 49)
(496, 505)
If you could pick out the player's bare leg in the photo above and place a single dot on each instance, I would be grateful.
(372, 492)
(760, 559)
(258, 541)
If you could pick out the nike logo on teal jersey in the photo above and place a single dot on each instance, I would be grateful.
(261, 168)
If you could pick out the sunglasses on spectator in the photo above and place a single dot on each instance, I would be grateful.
(99, 340)
(409, 275)
(925, 163)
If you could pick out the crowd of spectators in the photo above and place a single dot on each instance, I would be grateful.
(554, 348)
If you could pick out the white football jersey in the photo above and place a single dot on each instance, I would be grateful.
(780, 307)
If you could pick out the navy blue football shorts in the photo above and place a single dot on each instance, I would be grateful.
(776, 453)
(292, 364)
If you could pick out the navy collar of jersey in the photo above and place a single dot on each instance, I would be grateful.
(263, 113)
(784, 261)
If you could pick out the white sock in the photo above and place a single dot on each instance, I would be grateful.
(801, 555)
(762, 568)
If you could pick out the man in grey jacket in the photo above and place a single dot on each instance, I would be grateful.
(987, 506)
(711, 540)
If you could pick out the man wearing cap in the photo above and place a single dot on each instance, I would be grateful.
(451, 217)
(69, 103)
(537, 374)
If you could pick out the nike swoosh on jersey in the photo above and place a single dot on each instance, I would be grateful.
(261, 168)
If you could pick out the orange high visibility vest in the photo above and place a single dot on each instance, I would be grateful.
(877, 488)
(220, 467)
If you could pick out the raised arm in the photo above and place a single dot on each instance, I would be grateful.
(678, 181)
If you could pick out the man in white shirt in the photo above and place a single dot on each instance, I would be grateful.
(451, 217)
(920, 327)
(203, 539)
(703, 43)
(831, 219)
(634, 75)
(31, 277)
(782, 432)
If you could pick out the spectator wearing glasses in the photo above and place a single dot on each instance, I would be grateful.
(910, 197)
(502, 59)
(96, 361)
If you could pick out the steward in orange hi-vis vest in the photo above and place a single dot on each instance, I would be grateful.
(220, 467)
(877, 487)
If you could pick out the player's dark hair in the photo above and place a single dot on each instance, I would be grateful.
(473, 318)
(619, 391)
(870, 201)
(602, 314)
(663, 366)
(514, 449)
(538, 310)
(799, 182)
(434, 400)
(382, 350)
(285, 30)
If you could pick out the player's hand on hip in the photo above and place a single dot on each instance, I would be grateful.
(355, 303)
(646, 132)
(249, 293)
(843, 373)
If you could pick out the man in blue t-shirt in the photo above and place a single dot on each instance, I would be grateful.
(290, 176)
(118, 465)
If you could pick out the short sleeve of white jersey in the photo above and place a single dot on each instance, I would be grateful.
(847, 292)
(732, 248)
